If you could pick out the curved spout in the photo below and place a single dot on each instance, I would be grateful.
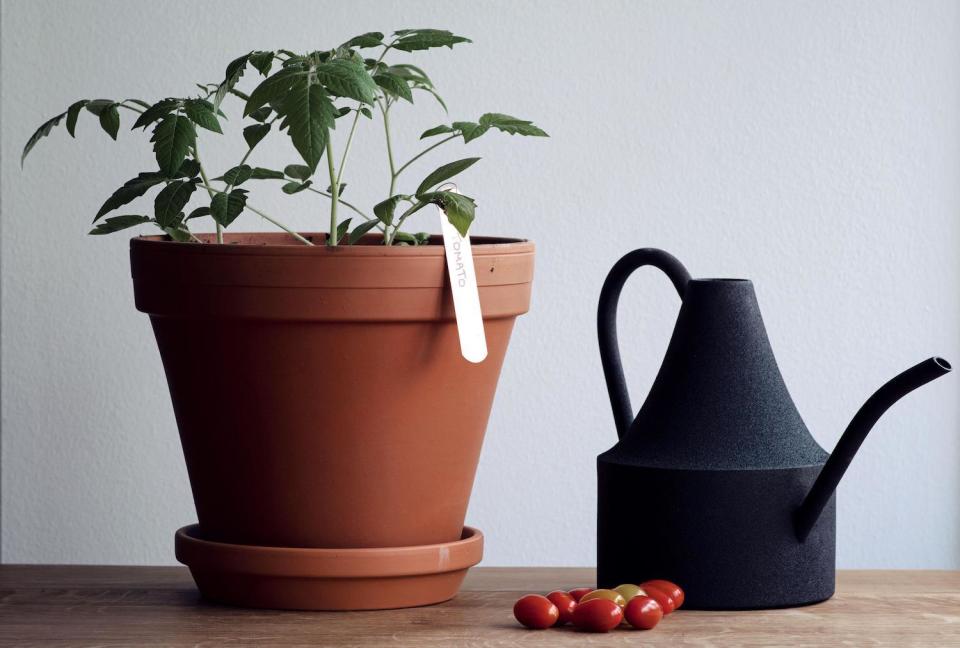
(916, 376)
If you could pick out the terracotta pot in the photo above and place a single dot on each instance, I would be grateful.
(320, 393)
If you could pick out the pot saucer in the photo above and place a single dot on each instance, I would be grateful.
(295, 578)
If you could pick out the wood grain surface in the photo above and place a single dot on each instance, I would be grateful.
(158, 606)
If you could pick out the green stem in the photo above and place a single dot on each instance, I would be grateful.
(206, 183)
(424, 152)
(334, 195)
(213, 190)
(136, 110)
(346, 148)
(385, 110)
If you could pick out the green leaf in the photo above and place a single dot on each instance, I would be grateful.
(177, 234)
(360, 230)
(309, 114)
(230, 78)
(341, 189)
(199, 212)
(238, 175)
(384, 210)
(189, 169)
(410, 73)
(254, 133)
(170, 202)
(436, 96)
(110, 121)
(97, 106)
(139, 102)
(404, 239)
(261, 114)
(421, 39)
(460, 209)
(342, 229)
(200, 113)
(370, 39)
(347, 78)
(436, 130)
(117, 223)
(296, 187)
(155, 112)
(259, 173)
(422, 238)
(131, 189)
(445, 172)
(511, 125)
(72, 113)
(40, 133)
(394, 85)
(470, 131)
(298, 171)
(263, 61)
(272, 88)
(366, 112)
(172, 138)
(225, 207)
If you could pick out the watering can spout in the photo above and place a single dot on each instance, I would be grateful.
(871, 411)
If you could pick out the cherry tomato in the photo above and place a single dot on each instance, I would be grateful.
(665, 600)
(564, 603)
(597, 615)
(628, 591)
(607, 594)
(643, 612)
(579, 593)
(535, 611)
(670, 588)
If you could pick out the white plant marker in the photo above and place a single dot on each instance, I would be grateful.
(463, 284)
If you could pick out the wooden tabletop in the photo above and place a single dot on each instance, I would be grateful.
(159, 606)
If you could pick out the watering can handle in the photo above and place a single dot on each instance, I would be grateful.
(607, 322)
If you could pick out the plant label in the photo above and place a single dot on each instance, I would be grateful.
(463, 284)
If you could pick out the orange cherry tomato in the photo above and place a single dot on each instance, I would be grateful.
(565, 604)
(607, 594)
(643, 612)
(628, 591)
(579, 593)
(665, 600)
(535, 611)
(670, 588)
(597, 615)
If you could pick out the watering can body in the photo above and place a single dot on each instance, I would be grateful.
(716, 483)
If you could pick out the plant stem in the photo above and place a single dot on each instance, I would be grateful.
(213, 190)
(424, 152)
(334, 195)
(206, 183)
(346, 148)
(386, 129)
(136, 110)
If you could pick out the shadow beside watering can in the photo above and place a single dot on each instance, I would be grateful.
(716, 483)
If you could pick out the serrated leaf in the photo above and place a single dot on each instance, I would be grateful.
(309, 115)
(73, 112)
(225, 207)
(254, 133)
(296, 187)
(131, 189)
(470, 130)
(384, 210)
(298, 171)
(201, 114)
(272, 88)
(410, 73)
(110, 121)
(412, 40)
(199, 212)
(238, 175)
(460, 209)
(97, 106)
(260, 173)
(360, 230)
(370, 39)
(170, 202)
(189, 169)
(155, 112)
(40, 133)
(511, 125)
(263, 61)
(342, 229)
(117, 223)
(347, 78)
(230, 78)
(261, 114)
(172, 138)
(436, 130)
(445, 172)
(394, 85)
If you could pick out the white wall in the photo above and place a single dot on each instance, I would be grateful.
(811, 146)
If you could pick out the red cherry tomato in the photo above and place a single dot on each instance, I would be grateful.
(643, 612)
(665, 600)
(597, 615)
(565, 603)
(535, 611)
(579, 593)
(670, 588)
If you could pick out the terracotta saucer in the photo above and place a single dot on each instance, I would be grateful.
(328, 579)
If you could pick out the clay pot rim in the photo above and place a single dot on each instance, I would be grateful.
(281, 244)
(307, 562)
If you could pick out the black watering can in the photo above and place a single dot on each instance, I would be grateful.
(717, 484)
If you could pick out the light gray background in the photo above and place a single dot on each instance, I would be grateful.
(811, 146)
